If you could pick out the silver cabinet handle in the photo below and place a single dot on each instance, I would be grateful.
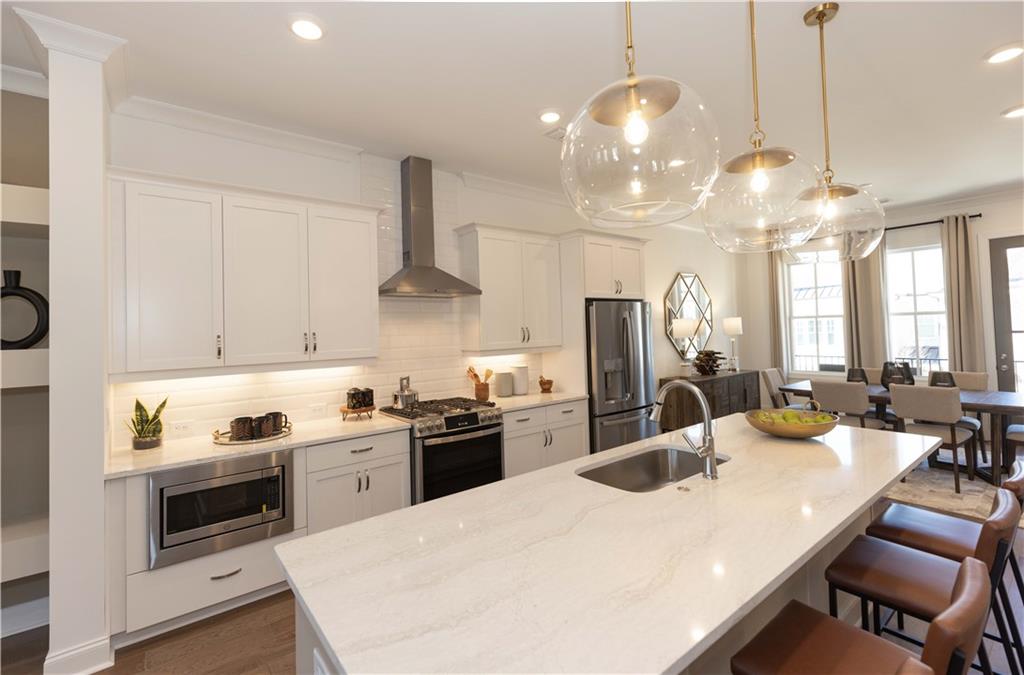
(305, 339)
(314, 342)
(218, 577)
(528, 336)
(220, 348)
(367, 480)
(357, 451)
(523, 419)
(522, 334)
(551, 437)
(567, 411)
(359, 482)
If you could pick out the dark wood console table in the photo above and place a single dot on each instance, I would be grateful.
(727, 392)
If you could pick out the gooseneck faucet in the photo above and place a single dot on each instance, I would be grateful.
(706, 451)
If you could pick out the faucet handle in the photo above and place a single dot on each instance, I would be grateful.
(686, 437)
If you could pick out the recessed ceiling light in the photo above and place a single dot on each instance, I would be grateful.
(307, 30)
(550, 117)
(1004, 53)
(1015, 111)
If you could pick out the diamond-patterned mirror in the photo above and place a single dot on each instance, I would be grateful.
(687, 298)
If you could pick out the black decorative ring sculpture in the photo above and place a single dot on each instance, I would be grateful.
(13, 289)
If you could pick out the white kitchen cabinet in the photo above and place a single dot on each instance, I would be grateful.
(333, 498)
(343, 306)
(613, 267)
(524, 453)
(565, 443)
(519, 275)
(386, 486)
(266, 282)
(344, 494)
(544, 436)
(174, 278)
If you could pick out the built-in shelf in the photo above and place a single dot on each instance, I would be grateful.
(26, 548)
(25, 368)
(26, 205)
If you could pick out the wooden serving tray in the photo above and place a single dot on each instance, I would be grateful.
(358, 412)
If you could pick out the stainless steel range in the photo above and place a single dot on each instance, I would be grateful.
(456, 445)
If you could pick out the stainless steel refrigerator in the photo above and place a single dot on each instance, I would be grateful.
(620, 372)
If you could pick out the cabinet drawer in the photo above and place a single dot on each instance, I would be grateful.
(570, 412)
(523, 420)
(343, 453)
(169, 592)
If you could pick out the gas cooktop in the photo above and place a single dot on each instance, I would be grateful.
(446, 414)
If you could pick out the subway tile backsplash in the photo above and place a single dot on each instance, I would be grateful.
(419, 338)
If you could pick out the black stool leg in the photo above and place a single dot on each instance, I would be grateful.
(833, 609)
(1004, 635)
(876, 617)
(899, 620)
(986, 666)
(1012, 620)
(864, 622)
(1016, 574)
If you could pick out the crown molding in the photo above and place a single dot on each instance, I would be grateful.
(477, 182)
(227, 127)
(23, 81)
(45, 33)
(1006, 192)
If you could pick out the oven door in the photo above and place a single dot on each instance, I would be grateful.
(457, 461)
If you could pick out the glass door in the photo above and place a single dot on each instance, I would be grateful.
(1007, 256)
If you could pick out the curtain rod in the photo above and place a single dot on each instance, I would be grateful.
(927, 222)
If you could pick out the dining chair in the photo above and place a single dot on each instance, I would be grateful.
(849, 400)
(856, 375)
(934, 411)
(772, 381)
(967, 380)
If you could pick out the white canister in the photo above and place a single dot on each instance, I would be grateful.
(503, 384)
(520, 380)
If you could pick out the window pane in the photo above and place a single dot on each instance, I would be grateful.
(830, 289)
(933, 347)
(929, 280)
(899, 281)
(1015, 267)
(805, 343)
(831, 344)
(902, 344)
(801, 284)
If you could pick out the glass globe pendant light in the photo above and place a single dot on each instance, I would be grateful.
(642, 151)
(853, 221)
(748, 209)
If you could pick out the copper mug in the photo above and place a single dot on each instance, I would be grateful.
(279, 420)
(241, 429)
(262, 426)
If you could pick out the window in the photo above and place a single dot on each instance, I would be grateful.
(814, 307)
(916, 295)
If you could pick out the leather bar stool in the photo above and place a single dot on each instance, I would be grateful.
(918, 583)
(802, 640)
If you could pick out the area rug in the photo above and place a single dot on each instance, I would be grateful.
(933, 489)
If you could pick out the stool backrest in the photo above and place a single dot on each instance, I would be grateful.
(1000, 526)
(970, 380)
(856, 375)
(874, 375)
(772, 381)
(941, 378)
(930, 404)
(843, 397)
(1015, 482)
(954, 635)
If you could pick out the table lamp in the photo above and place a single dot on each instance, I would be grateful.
(733, 326)
(685, 329)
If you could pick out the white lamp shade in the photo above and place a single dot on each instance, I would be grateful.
(732, 325)
(684, 328)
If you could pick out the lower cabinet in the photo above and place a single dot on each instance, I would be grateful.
(555, 434)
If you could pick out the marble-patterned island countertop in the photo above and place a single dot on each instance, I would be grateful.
(122, 462)
(550, 572)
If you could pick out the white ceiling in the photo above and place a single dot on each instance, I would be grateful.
(915, 110)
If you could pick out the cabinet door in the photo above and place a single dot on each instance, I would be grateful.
(333, 497)
(597, 268)
(266, 304)
(343, 307)
(629, 270)
(524, 453)
(386, 486)
(542, 293)
(501, 280)
(566, 443)
(174, 278)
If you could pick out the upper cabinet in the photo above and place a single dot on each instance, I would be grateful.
(173, 278)
(521, 304)
(613, 267)
(217, 279)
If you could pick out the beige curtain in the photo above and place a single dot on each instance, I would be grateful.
(963, 308)
(775, 286)
(864, 307)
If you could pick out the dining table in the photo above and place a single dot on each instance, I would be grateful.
(1001, 406)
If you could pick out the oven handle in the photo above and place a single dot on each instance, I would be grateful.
(462, 437)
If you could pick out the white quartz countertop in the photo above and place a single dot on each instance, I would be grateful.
(196, 450)
(512, 403)
(550, 572)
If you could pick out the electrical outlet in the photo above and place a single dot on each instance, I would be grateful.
(318, 409)
(182, 428)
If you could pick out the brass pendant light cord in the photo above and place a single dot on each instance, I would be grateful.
(630, 53)
(824, 98)
(758, 135)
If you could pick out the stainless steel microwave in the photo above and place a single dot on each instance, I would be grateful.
(202, 509)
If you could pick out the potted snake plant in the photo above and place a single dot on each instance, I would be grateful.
(147, 430)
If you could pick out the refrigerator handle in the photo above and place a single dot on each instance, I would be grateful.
(625, 420)
(628, 353)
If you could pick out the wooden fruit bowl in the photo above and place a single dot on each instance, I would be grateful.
(792, 429)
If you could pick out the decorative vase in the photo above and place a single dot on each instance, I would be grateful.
(482, 391)
(12, 288)
(146, 443)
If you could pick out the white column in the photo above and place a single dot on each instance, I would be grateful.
(74, 59)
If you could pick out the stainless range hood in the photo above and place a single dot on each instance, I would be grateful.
(419, 278)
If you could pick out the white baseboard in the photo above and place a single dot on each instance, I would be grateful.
(88, 657)
(25, 616)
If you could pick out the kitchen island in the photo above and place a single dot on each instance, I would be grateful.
(550, 572)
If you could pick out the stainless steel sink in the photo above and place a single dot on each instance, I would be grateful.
(649, 470)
